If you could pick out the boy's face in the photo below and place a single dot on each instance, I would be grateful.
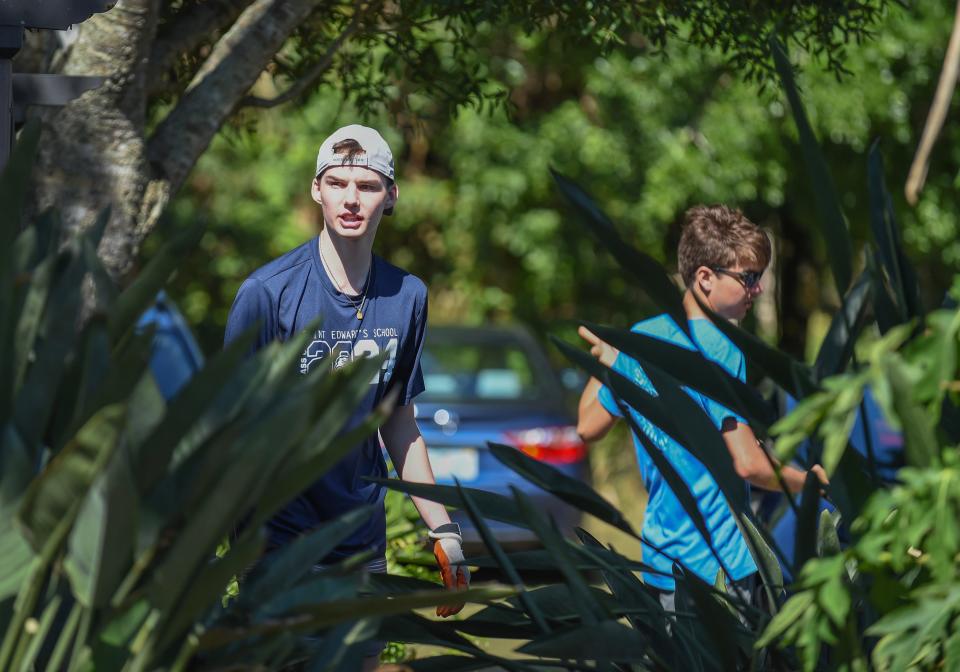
(731, 291)
(353, 199)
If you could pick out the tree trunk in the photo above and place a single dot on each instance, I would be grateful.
(93, 152)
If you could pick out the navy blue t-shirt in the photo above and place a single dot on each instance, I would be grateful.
(289, 293)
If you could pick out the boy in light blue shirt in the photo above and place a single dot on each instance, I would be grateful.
(722, 256)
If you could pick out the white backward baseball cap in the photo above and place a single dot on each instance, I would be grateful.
(376, 153)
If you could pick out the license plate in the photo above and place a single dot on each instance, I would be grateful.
(450, 463)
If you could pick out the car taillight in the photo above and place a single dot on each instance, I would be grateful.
(556, 445)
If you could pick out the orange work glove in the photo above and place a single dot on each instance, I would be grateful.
(448, 550)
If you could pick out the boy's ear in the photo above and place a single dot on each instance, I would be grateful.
(315, 190)
(393, 194)
(704, 278)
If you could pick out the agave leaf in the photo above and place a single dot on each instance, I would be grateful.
(324, 445)
(491, 543)
(850, 485)
(650, 274)
(418, 630)
(130, 305)
(13, 189)
(691, 433)
(677, 485)
(723, 629)
(35, 398)
(100, 546)
(209, 585)
(693, 370)
(833, 226)
(16, 469)
(886, 233)
(589, 607)
(606, 640)
(330, 613)
(115, 383)
(286, 566)
(218, 499)
(154, 453)
(805, 544)
(845, 329)
(766, 560)
(65, 637)
(16, 559)
(30, 317)
(793, 376)
(571, 490)
(491, 505)
(55, 496)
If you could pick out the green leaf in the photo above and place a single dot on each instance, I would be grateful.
(845, 329)
(491, 505)
(590, 609)
(793, 376)
(35, 400)
(100, 547)
(283, 568)
(692, 369)
(919, 435)
(491, 543)
(886, 233)
(604, 641)
(765, 559)
(13, 190)
(571, 490)
(648, 272)
(828, 540)
(38, 638)
(130, 305)
(833, 226)
(208, 586)
(805, 539)
(30, 317)
(791, 612)
(722, 626)
(55, 496)
(329, 613)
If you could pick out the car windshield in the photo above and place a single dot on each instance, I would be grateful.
(477, 372)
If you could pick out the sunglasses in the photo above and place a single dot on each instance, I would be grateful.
(749, 279)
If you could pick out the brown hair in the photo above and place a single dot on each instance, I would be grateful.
(716, 236)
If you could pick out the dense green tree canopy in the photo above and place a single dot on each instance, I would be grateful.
(648, 132)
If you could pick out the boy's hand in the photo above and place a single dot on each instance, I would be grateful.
(605, 353)
(821, 474)
(448, 550)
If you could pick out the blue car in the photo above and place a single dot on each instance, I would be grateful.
(496, 384)
(174, 355)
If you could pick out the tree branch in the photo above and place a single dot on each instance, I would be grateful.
(313, 75)
(233, 66)
(184, 33)
(936, 116)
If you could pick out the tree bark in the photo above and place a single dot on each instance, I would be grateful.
(93, 153)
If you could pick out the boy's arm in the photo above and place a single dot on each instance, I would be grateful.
(408, 451)
(754, 465)
(593, 420)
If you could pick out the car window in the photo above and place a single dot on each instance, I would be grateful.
(477, 372)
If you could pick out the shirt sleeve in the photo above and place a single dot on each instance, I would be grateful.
(735, 365)
(408, 373)
(605, 396)
(252, 306)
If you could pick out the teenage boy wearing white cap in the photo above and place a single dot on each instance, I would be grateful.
(368, 307)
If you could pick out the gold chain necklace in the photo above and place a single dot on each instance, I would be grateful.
(366, 284)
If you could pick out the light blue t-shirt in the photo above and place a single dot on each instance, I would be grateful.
(666, 525)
